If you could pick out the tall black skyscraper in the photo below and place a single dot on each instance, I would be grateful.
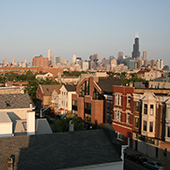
(136, 52)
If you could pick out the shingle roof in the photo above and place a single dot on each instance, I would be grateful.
(13, 101)
(48, 89)
(57, 151)
(70, 87)
(106, 83)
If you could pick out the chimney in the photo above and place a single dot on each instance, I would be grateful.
(31, 106)
(10, 162)
(71, 126)
(30, 123)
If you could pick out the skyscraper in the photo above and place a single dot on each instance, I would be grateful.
(136, 53)
(144, 55)
(50, 56)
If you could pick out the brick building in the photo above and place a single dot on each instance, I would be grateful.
(23, 70)
(91, 96)
(40, 61)
(123, 112)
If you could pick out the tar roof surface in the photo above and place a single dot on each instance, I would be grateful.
(70, 87)
(14, 101)
(57, 151)
(106, 83)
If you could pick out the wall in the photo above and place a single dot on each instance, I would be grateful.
(5, 129)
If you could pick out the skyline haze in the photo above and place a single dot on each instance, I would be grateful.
(31, 28)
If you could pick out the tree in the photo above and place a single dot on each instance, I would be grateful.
(62, 125)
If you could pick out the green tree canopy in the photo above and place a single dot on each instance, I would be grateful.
(62, 125)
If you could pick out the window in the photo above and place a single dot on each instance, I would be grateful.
(75, 102)
(108, 106)
(137, 106)
(120, 136)
(151, 127)
(165, 152)
(168, 135)
(74, 105)
(118, 115)
(128, 118)
(145, 125)
(151, 109)
(118, 100)
(87, 111)
(128, 101)
(84, 89)
(168, 113)
(136, 122)
(145, 108)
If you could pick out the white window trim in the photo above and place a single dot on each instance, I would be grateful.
(128, 95)
(127, 117)
(118, 99)
(118, 133)
(120, 115)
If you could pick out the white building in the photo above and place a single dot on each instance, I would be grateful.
(50, 56)
(159, 64)
(18, 118)
(44, 76)
(66, 97)
(73, 59)
(85, 65)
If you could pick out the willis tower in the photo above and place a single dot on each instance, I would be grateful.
(136, 53)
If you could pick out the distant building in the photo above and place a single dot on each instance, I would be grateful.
(85, 65)
(50, 56)
(136, 53)
(131, 64)
(40, 61)
(120, 53)
(73, 59)
(44, 75)
(59, 59)
(159, 64)
(144, 55)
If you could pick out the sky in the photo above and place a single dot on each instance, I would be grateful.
(29, 28)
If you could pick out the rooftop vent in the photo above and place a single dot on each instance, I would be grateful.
(8, 103)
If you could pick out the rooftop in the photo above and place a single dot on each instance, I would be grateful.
(48, 89)
(106, 83)
(59, 150)
(14, 101)
(70, 87)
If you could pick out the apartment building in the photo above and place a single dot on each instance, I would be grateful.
(91, 96)
(123, 112)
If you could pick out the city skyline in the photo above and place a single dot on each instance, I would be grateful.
(83, 28)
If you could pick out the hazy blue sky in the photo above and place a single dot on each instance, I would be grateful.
(83, 27)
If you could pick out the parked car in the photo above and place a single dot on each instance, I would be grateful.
(137, 158)
(154, 165)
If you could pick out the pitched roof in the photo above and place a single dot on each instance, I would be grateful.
(13, 101)
(143, 71)
(59, 150)
(48, 89)
(106, 83)
(70, 87)
(41, 73)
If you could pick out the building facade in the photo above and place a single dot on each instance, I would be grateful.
(123, 112)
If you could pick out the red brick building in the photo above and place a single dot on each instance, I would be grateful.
(40, 61)
(23, 70)
(123, 112)
(91, 96)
